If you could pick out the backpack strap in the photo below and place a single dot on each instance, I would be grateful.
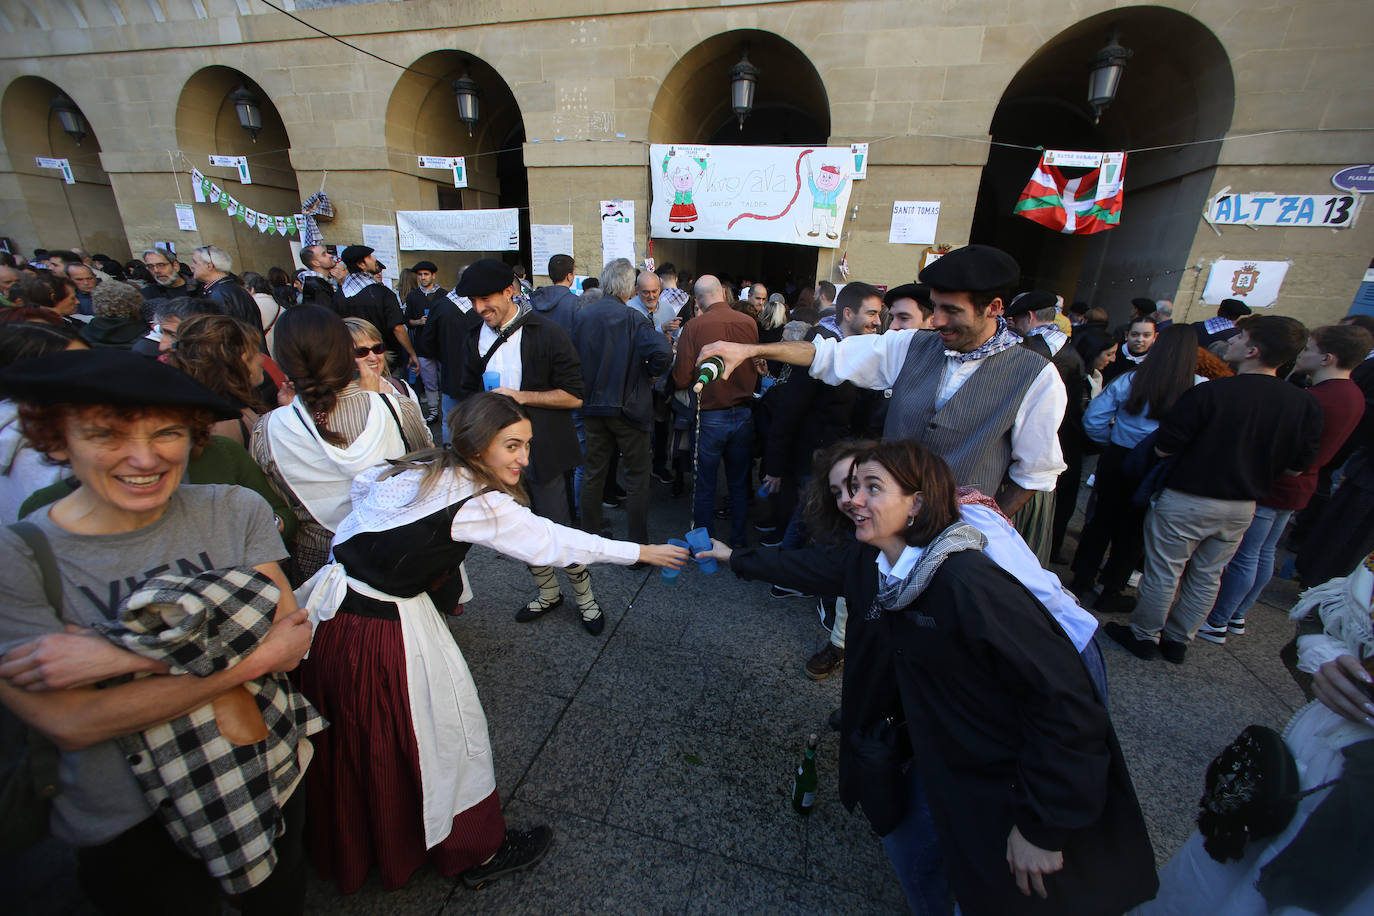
(37, 541)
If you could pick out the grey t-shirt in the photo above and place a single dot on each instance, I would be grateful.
(205, 527)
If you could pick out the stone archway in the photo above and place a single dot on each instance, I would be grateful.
(422, 120)
(60, 215)
(207, 124)
(1177, 88)
(790, 106)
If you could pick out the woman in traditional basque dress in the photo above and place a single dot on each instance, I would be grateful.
(405, 775)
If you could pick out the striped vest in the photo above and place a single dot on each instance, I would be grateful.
(972, 431)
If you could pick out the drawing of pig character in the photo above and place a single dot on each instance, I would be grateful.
(683, 176)
(825, 196)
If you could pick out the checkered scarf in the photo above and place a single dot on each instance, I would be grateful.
(1004, 338)
(355, 283)
(220, 802)
(1217, 323)
(1054, 338)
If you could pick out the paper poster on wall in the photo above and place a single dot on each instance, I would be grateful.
(750, 193)
(382, 240)
(860, 153)
(547, 241)
(239, 163)
(62, 165)
(617, 230)
(186, 217)
(1256, 283)
(1320, 211)
(913, 222)
(459, 230)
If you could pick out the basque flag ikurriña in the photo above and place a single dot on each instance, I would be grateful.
(1076, 206)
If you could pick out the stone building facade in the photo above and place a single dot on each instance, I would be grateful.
(949, 95)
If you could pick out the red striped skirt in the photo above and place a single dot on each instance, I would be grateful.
(363, 786)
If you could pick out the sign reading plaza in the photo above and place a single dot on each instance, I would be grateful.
(1328, 211)
(751, 193)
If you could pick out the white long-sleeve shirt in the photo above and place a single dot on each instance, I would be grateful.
(875, 360)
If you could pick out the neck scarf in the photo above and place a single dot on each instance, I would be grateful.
(1054, 337)
(1004, 338)
(356, 282)
(896, 596)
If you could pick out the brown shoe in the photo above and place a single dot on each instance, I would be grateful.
(823, 664)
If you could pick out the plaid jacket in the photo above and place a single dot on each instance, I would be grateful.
(220, 802)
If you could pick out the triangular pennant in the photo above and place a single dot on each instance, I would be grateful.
(249, 216)
(205, 186)
(215, 194)
(264, 221)
(233, 208)
(281, 224)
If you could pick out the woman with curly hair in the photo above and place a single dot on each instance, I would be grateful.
(223, 354)
(340, 422)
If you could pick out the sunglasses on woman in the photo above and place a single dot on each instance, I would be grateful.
(361, 352)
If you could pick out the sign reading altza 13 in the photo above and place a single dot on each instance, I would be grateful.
(1328, 211)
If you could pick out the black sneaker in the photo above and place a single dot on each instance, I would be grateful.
(1124, 636)
(825, 609)
(663, 475)
(1173, 651)
(521, 849)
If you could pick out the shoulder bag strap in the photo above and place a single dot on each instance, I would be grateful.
(42, 753)
(391, 409)
(37, 541)
(501, 338)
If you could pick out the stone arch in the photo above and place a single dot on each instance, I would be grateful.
(60, 215)
(791, 105)
(207, 124)
(1177, 87)
(422, 120)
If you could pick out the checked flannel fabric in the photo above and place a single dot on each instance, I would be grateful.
(219, 801)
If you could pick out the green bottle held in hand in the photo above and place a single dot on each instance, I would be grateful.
(804, 786)
(708, 372)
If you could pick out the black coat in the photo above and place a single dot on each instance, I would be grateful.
(317, 291)
(1005, 723)
(444, 338)
(808, 415)
(378, 304)
(1074, 375)
(234, 300)
(548, 362)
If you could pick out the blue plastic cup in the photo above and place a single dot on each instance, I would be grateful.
(491, 381)
(669, 574)
(767, 382)
(700, 539)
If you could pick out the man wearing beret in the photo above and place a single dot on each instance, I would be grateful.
(539, 369)
(1222, 326)
(361, 295)
(999, 433)
(1032, 316)
(909, 306)
(419, 302)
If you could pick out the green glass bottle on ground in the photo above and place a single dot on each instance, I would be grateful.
(804, 786)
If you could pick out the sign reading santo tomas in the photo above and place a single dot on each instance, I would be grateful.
(792, 194)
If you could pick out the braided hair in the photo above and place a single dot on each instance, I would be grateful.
(313, 347)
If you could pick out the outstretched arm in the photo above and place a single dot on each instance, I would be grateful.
(792, 352)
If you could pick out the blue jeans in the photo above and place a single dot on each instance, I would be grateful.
(914, 850)
(447, 404)
(795, 535)
(727, 434)
(1251, 568)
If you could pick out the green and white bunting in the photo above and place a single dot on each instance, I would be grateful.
(209, 192)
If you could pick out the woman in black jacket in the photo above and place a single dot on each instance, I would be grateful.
(1014, 766)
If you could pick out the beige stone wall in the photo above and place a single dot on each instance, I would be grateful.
(586, 71)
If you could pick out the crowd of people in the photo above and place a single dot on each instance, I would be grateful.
(271, 482)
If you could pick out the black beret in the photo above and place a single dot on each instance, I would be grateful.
(354, 254)
(1142, 305)
(425, 265)
(484, 277)
(1233, 308)
(973, 269)
(1032, 301)
(918, 291)
(111, 376)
